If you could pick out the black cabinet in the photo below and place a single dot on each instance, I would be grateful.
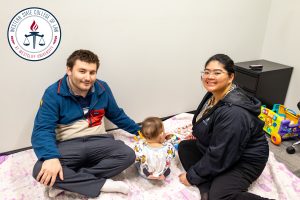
(269, 85)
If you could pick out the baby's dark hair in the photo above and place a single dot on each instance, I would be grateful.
(152, 127)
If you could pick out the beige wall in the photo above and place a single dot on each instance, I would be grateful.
(282, 43)
(151, 53)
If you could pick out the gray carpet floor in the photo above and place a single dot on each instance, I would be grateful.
(292, 161)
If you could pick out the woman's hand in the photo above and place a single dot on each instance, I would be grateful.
(183, 179)
(190, 137)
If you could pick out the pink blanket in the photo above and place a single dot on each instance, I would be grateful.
(276, 181)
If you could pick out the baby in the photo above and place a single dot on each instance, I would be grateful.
(153, 154)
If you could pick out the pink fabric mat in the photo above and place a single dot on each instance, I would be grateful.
(276, 181)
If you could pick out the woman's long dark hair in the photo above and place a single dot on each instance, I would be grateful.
(225, 60)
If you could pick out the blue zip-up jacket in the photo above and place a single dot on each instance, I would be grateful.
(60, 117)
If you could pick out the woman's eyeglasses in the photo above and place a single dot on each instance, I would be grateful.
(215, 74)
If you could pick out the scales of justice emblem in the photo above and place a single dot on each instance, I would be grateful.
(34, 34)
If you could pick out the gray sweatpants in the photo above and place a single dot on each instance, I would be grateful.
(88, 161)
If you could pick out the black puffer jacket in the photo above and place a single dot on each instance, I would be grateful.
(230, 133)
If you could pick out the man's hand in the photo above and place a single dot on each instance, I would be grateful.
(49, 171)
(183, 179)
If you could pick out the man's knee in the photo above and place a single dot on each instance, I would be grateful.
(129, 156)
(37, 168)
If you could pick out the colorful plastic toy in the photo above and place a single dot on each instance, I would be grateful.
(178, 134)
(292, 149)
(140, 136)
(280, 123)
(173, 139)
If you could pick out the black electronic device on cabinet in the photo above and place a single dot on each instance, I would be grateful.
(266, 80)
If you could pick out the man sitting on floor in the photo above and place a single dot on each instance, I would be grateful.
(69, 139)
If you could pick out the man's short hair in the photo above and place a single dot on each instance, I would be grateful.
(82, 55)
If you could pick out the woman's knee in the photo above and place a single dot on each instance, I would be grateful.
(182, 146)
(187, 150)
(227, 186)
(219, 194)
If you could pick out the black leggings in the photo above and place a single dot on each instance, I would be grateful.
(231, 184)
